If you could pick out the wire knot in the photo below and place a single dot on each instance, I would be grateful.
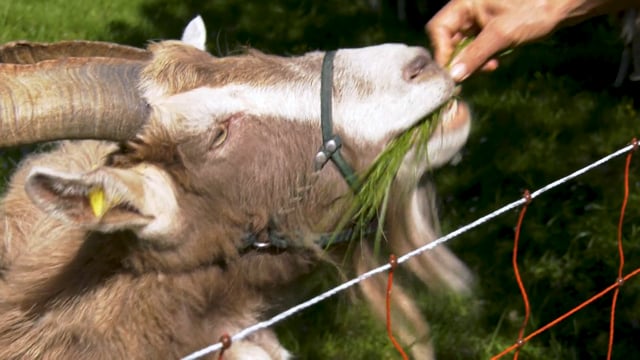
(225, 340)
(526, 195)
(393, 261)
(635, 144)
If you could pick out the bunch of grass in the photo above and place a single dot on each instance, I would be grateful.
(369, 208)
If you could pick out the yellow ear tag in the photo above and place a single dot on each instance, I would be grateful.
(96, 200)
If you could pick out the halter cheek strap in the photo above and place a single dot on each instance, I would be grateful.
(330, 150)
(331, 143)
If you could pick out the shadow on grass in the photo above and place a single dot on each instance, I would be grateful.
(281, 26)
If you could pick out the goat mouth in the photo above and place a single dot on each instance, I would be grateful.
(455, 113)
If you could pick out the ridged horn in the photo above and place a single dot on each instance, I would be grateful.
(71, 98)
(26, 52)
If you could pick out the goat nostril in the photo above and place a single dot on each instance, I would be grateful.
(415, 67)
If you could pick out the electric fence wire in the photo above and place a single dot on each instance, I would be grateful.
(346, 285)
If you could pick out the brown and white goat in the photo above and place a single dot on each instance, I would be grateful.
(136, 246)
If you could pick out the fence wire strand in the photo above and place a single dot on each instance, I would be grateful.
(427, 247)
(393, 261)
(615, 287)
(516, 270)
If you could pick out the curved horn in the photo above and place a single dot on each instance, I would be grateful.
(72, 98)
(26, 52)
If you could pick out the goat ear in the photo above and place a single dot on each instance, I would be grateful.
(195, 34)
(140, 199)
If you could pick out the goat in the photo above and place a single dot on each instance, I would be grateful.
(134, 241)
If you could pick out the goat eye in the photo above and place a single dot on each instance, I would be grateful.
(219, 136)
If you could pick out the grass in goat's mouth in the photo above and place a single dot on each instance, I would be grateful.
(371, 199)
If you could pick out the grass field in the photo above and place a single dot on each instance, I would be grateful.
(548, 110)
(51, 20)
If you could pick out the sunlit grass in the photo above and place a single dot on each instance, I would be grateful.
(52, 20)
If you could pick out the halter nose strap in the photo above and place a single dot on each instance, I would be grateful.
(331, 143)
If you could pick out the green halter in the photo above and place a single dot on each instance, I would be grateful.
(331, 143)
(330, 150)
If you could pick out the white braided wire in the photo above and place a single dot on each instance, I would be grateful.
(344, 286)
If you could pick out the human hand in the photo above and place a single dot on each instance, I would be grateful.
(498, 25)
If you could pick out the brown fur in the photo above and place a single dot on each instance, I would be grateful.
(82, 293)
(179, 68)
(69, 291)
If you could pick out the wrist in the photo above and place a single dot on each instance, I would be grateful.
(574, 11)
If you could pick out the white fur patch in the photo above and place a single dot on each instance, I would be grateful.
(370, 119)
(198, 108)
(390, 104)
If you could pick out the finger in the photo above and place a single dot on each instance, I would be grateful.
(478, 53)
(443, 28)
(490, 65)
(442, 42)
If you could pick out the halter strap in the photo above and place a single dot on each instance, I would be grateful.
(330, 150)
(331, 143)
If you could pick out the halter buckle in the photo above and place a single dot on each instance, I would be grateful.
(326, 152)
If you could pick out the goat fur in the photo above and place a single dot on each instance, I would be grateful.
(164, 271)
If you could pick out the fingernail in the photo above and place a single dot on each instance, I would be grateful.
(458, 72)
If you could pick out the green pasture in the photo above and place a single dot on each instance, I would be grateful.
(549, 110)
